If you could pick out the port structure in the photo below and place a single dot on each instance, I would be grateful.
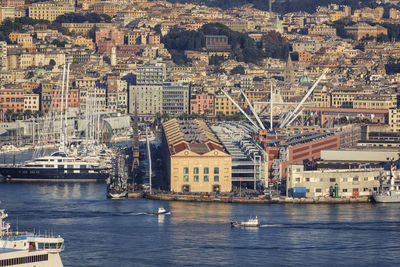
(248, 158)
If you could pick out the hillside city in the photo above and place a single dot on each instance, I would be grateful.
(302, 103)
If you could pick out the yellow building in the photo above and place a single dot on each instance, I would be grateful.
(6, 12)
(31, 102)
(49, 10)
(197, 161)
(374, 101)
(224, 106)
(23, 39)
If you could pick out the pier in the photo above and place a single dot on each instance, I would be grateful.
(251, 200)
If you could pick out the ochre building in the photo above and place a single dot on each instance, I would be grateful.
(197, 161)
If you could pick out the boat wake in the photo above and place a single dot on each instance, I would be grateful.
(271, 225)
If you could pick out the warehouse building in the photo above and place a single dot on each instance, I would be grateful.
(196, 159)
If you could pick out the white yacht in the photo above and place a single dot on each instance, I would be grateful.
(28, 249)
(56, 167)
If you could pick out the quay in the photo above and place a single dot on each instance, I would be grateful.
(253, 200)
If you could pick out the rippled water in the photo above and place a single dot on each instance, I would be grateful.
(101, 232)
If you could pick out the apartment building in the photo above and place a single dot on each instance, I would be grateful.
(49, 10)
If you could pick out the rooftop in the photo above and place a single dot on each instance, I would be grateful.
(193, 135)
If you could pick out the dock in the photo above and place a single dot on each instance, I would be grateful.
(255, 200)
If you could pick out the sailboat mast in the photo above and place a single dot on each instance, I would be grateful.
(66, 105)
(61, 112)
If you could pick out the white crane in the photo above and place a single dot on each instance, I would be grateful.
(292, 116)
(241, 110)
(252, 110)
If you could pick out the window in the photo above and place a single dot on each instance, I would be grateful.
(365, 178)
(206, 178)
(297, 179)
(186, 178)
(196, 170)
(297, 169)
(344, 190)
(216, 170)
(344, 179)
(206, 170)
(365, 189)
(321, 179)
(307, 179)
(185, 170)
(332, 180)
(216, 178)
(196, 178)
(318, 190)
(355, 179)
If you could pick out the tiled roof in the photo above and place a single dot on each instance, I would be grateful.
(193, 135)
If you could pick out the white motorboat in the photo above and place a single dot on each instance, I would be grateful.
(252, 222)
(162, 211)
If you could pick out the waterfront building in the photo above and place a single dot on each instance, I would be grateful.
(175, 99)
(196, 159)
(148, 89)
(49, 10)
(320, 183)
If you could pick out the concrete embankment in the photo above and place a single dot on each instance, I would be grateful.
(260, 200)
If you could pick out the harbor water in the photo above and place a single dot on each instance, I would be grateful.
(101, 232)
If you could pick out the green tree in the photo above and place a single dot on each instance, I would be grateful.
(238, 70)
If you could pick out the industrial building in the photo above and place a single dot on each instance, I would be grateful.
(320, 183)
(248, 158)
(196, 160)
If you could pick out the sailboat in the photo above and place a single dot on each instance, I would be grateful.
(59, 166)
(118, 179)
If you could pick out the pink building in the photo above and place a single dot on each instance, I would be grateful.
(107, 38)
(202, 103)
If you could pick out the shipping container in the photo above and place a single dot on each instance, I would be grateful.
(299, 189)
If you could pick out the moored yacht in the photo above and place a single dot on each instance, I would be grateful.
(56, 167)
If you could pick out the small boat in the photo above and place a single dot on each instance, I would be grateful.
(250, 223)
(162, 211)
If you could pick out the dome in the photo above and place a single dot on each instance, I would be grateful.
(40, 71)
(305, 79)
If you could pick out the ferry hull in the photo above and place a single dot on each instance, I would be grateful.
(386, 199)
(38, 174)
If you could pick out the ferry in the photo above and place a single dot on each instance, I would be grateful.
(389, 190)
(56, 167)
(28, 249)
(250, 223)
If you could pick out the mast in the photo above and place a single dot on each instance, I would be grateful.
(61, 112)
(271, 120)
(66, 105)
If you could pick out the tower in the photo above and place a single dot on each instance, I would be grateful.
(113, 56)
(289, 71)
